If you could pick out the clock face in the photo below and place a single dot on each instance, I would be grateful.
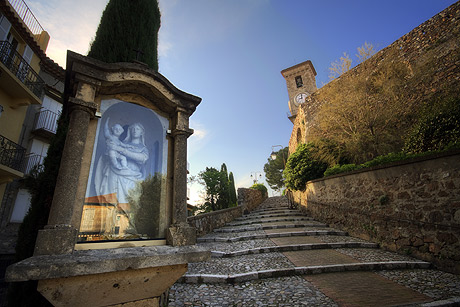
(300, 98)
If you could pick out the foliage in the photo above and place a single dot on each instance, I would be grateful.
(232, 190)
(341, 66)
(337, 169)
(217, 192)
(302, 167)
(274, 169)
(260, 187)
(41, 187)
(437, 128)
(127, 26)
(367, 114)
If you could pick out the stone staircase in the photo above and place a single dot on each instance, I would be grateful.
(275, 256)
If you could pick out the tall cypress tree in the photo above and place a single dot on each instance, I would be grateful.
(232, 190)
(224, 195)
(126, 28)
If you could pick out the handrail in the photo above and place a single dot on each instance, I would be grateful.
(20, 68)
(27, 17)
(11, 154)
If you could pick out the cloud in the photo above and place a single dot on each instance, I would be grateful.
(199, 138)
(70, 24)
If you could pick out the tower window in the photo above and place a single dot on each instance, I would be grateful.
(298, 81)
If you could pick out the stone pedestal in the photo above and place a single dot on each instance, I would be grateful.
(138, 275)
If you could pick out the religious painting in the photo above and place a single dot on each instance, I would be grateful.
(126, 191)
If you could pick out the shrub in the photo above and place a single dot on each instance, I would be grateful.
(437, 128)
(337, 169)
(260, 187)
(302, 167)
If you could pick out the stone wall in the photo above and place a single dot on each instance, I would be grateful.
(410, 207)
(430, 53)
(248, 200)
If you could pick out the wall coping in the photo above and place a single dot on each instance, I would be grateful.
(212, 213)
(409, 161)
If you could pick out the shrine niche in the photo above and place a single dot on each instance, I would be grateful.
(119, 210)
(126, 191)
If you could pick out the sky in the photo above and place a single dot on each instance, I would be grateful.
(230, 53)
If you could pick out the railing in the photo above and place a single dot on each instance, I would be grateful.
(20, 68)
(46, 120)
(34, 161)
(27, 17)
(11, 154)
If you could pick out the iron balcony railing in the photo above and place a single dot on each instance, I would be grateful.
(12, 154)
(27, 17)
(46, 120)
(20, 68)
(34, 161)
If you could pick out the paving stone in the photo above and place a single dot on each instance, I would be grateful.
(255, 275)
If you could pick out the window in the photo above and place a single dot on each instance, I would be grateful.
(298, 81)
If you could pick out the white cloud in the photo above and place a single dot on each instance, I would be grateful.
(70, 24)
(199, 138)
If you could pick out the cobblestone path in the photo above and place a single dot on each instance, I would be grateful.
(276, 256)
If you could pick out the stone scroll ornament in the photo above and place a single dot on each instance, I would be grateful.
(125, 197)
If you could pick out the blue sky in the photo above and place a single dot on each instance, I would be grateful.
(230, 53)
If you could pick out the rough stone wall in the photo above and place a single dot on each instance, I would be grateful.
(431, 52)
(248, 199)
(409, 207)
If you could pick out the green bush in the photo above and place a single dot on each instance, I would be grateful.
(437, 128)
(302, 167)
(337, 169)
(260, 187)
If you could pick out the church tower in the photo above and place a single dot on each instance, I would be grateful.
(301, 82)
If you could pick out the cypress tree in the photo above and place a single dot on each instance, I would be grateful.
(127, 26)
(224, 196)
(232, 190)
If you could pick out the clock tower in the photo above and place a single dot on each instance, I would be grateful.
(301, 82)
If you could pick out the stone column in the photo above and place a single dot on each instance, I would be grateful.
(180, 233)
(59, 235)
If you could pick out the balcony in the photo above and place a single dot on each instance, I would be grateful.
(18, 78)
(45, 123)
(34, 162)
(11, 160)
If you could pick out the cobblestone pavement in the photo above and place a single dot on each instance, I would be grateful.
(275, 247)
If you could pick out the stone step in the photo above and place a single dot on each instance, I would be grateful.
(274, 235)
(292, 247)
(308, 270)
(285, 213)
(269, 220)
(264, 227)
(272, 210)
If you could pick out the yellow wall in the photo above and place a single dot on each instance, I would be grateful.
(11, 120)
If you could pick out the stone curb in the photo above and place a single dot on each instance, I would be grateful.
(453, 301)
(276, 235)
(297, 247)
(260, 227)
(309, 270)
(279, 219)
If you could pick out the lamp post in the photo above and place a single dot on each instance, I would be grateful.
(255, 176)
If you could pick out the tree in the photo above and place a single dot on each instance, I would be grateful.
(127, 28)
(211, 180)
(231, 183)
(302, 167)
(366, 115)
(274, 169)
(341, 66)
(224, 193)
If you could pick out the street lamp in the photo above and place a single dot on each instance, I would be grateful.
(254, 177)
(273, 154)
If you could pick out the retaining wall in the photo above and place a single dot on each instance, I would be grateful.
(409, 207)
(248, 200)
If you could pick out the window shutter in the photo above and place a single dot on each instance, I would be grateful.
(5, 26)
